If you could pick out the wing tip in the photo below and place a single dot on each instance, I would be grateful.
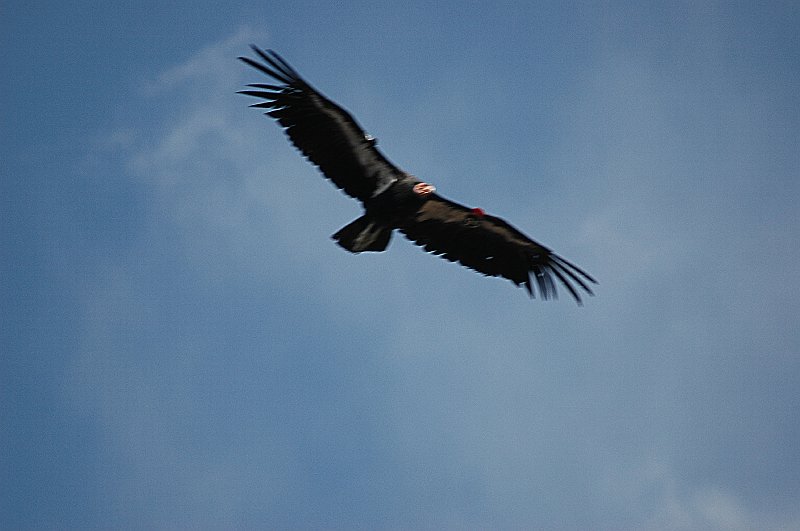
(573, 278)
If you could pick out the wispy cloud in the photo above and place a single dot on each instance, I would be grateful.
(236, 358)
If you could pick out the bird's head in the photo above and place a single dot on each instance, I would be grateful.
(424, 189)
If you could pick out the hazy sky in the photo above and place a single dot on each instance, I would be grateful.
(183, 346)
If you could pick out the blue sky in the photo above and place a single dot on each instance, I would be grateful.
(183, 346)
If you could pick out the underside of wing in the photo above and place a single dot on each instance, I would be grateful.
(491, 246)
(324, 132)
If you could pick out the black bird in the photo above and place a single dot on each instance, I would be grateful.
(331, 139)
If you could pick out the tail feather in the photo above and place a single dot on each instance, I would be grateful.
(363, 234)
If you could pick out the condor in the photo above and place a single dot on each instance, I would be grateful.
(392, 199)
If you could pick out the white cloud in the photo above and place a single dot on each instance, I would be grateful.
(483, 393)
(212, 64)
(655, 498)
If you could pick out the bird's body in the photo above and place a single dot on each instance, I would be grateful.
(384, 212)
(395, 200)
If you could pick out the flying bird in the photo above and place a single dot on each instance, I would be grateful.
(329, 137)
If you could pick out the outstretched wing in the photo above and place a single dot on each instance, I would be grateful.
(324, 132)
(493, 247)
